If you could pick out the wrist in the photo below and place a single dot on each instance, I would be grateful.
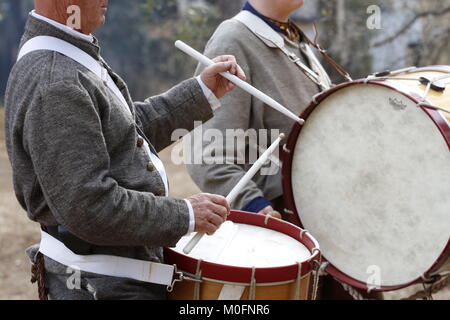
(191, 227)
(210, 96)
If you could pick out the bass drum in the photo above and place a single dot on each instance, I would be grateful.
(368, 174)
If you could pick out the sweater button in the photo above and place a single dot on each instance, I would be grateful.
(150, 167)
(140, 142)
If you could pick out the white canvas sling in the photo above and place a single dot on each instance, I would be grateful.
(107, 265)
(114, 266)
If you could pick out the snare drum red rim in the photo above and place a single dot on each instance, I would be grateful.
(287, 157)
(226, 273)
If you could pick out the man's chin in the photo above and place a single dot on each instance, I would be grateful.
(101, 21)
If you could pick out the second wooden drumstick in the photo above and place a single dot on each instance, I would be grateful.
(238, 188)
(238, 82)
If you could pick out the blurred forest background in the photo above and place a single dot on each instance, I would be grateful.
(137, 41)
(138, 37)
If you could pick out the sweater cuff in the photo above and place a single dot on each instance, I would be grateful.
(210, 96)
(257, 204)
(191, 217)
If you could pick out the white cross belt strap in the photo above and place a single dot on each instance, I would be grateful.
(78, 55)
(113, 266)
(71, 51)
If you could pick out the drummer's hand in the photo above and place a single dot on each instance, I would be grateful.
(210, 212)
(271, 212)
(215, 82)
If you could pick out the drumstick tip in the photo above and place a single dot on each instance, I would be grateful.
(178, 43)
(282, 136)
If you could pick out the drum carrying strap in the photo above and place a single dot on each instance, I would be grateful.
(113, 266)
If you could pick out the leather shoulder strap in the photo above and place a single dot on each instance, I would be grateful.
(274, 40)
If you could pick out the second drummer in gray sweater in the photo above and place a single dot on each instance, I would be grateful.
(271, 71)
(278, 60)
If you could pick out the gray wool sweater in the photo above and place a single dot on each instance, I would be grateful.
(75, 154)
(273, 73)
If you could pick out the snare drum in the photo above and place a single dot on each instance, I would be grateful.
(369, 176)
(250, 257)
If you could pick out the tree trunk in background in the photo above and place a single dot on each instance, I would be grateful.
(436, 34)
(341, 46)
(13, 27)
(343, 32)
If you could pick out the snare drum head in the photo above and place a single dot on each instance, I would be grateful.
(244, 245)
(370, 178)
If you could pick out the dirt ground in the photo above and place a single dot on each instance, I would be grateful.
(17, 232)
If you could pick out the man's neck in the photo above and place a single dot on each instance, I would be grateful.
(63, 27)
(49, 15)
(55, 17)
(270, 10)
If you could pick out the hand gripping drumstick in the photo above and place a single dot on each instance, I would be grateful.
(238, 82)
(238, 188)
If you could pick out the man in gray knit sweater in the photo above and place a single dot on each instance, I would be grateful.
(84, 157)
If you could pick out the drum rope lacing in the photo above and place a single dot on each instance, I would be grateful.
(298, 282)
(349, 289)
(317, 274)
(198, 275)
(435, 285)
(427, 92)
(252, 292)
(198, 280)
(441, 282)
(353, 292)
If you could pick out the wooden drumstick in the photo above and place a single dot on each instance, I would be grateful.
(238, 82)
(238, 188)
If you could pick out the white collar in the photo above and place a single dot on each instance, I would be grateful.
(63, 27)
(261, 29)
(274, 40)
